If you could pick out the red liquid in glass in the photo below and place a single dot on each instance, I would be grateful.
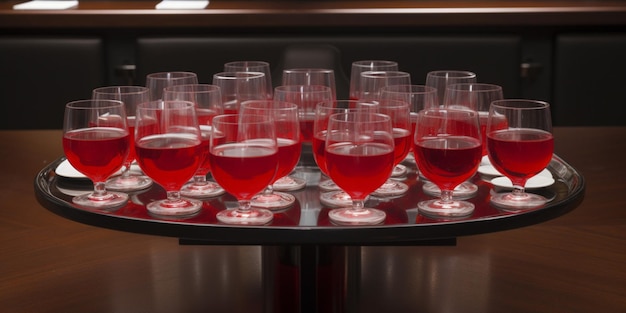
(170, 160)
(243, 172)
(359, 170)
(498, 123)
(319, 151)
(448, 161)
(402, 140)
(288, 157)
(96, 152)
(520, 153)
(306, 129)
(131, 135)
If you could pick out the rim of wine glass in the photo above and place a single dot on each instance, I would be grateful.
(121, 89)
(88, 104)
(474, 87)
(520, 104)
(374, 63)
(452, 73)
(193, 88)
(385, 74)
(247, 65)
(302, 88)
(308, 70)
(234, 75)
(156, 105)
(172, 75)
(412, 89)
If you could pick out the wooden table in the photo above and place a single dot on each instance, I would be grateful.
(574, 263)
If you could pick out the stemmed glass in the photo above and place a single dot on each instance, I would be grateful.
(331, 193)
(477, 97)
(359, 158)
(306, 97)
(361, 66)
(253, 66)
(418, 97)
(310, 76)
(373, 81)
(285, 117)
(169, 150)
(237, 87)
(447, 149)
(158, 81)
(96, 143)
(440, 80)
(208, 101)
(398, 112)
(131, 96)
(521, 149)
(244, 155)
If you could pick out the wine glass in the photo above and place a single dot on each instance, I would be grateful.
(477, 97)
(131, 96)
(440, 80)
(244, 158)
(311, 76)
(359, 158)
(253, 66)
(285, 117)
(447, 149)
(398, 112)
(169, 150)
(361, 66)
(419, 97)
(208, 101)
(237, 87)
(373, 81)
(521, 149)
(158, 81)
(96, 143)
(331, 193)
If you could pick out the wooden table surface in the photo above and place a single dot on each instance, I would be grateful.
(575, 263)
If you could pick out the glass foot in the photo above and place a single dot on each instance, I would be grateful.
(273, 201)
(245, 217)
(337, 198)
(350, 216)
(289, 183)
(391, 188)
(182, 207)
(328, 185)
(510, 202)
(202, 190)
(128, 183)
(464, 191)
(445, 209)
(399, 171)
(109, 201)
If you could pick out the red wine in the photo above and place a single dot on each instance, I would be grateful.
(97, 152)
(402, 141)
(497, 122)
(243, 170)
(319, 151)
(520, 153)
(359, 170)
(169, 159)
(288, 156)
(448, 161)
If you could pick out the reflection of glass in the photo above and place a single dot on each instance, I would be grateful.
(448, 152)
(285, 118)
(359, 67)
(244, 156)
(359, 158)
(131, 96)
(237, 87)
(169, 150)
(158, 81)
(520, 150)
(208, 101)
(96, 143)
(253, 66)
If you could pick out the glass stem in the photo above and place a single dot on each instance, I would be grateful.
(99, 189)
(358, 205)
(269, 190)
(518, 191)
(173, 196)
(126, 172)
(244, 206)
(446, 195)
(199, 179)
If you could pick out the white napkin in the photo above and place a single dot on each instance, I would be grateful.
(46, 5)
(182, 4)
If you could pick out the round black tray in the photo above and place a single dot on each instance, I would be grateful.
(307, 223)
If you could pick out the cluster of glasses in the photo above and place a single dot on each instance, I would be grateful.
(248, 137)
